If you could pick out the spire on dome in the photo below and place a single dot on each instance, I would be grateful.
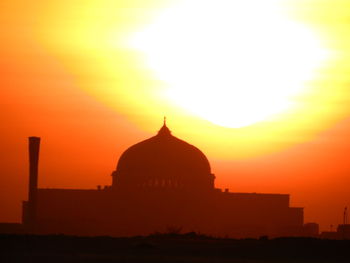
(164, 130)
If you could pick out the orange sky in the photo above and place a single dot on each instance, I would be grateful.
(67, 76)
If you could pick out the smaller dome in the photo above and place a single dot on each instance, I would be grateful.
(163, 161)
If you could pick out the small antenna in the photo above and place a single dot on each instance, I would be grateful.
(345, 215)
(164, 121)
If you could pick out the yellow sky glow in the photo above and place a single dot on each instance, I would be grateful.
(237, 78)
(229, 63)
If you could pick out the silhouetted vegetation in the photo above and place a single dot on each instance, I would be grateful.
(169, 247)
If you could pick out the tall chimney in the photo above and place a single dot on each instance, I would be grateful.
(34, 146)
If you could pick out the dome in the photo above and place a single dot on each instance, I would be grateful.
(163, 161)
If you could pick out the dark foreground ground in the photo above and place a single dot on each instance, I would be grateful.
(169, 248)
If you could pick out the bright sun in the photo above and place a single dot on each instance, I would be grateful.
(233, 63)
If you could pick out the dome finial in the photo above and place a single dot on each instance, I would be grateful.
(164, 130)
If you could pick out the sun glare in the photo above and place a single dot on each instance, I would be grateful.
(233, 63)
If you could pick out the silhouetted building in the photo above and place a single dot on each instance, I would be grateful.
(11, 228)
(159, 184)
(343, 231)
(311, 230)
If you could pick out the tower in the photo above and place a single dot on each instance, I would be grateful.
(31, 206)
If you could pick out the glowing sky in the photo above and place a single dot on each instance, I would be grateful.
(246, 63)
(262, 87)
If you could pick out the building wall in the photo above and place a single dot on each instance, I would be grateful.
(107, 212)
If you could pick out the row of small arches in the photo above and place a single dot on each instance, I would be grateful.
(161, 183)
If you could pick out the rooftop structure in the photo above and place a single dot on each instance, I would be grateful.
(160, 183)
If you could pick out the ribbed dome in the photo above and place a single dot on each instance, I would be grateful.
(163, 161)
